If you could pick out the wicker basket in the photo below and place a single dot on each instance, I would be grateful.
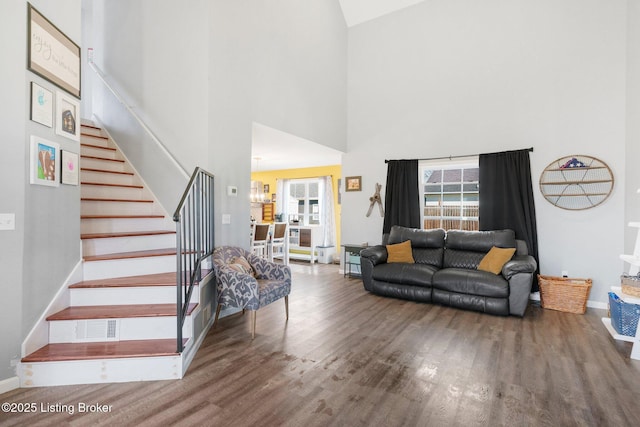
(564, 294)
(630, 285)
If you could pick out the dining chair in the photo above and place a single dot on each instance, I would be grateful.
(279, 244)
(260, 239)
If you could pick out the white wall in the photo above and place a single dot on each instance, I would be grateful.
(281, 63)
(457, 77)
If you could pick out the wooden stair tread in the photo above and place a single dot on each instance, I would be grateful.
(120, 216)
(97, 146)
(105, 171)
(118, 311)
(98, 199)
(129, 255)
(125, 234)
(103, 350)
(104, 159)
(93, 136)
(157, 279)
(90, 126)
(104, 184)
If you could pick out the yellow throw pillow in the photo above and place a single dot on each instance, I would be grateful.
(495, 259)
(400, 252)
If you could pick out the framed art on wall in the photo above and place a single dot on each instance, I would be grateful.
(41, 105)
(69, 167)
(353, 183)
(44, 160)
(67, 114)
(51, 54)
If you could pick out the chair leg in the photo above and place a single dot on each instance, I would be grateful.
(286, 305)
(215, 321)
(253, 323)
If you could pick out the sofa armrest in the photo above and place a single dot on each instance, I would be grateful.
(519, 272)
(519, 264)
(375, 254)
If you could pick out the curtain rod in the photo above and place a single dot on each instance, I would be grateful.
(530, 149)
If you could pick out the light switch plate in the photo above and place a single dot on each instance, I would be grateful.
(226, 218)
(7, 221)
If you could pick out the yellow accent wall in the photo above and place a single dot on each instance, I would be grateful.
(270, 178)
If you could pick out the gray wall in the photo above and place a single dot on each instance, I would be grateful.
(462, 77)
(632, 176)
(201, 75)
(37, 257)
(281, 63)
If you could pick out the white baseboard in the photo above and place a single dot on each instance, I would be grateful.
(9, 384)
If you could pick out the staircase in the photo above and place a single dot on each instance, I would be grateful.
(121, 321)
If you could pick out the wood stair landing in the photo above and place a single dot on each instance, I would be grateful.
(117, 311)
(103, 350)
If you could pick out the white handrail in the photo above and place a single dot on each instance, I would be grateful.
(144, 126)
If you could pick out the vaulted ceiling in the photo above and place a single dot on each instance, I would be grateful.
(272, 149)
(359, 11)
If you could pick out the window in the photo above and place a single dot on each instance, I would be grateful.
(450, 195)
(303, 201)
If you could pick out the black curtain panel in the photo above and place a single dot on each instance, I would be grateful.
(506, 198)
(402, 198)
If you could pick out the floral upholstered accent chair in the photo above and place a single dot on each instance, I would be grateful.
(249, 282)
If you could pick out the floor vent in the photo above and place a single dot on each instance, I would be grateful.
(97, 330)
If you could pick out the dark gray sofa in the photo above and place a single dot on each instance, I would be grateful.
(446, 270)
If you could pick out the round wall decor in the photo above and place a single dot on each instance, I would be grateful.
(576, 182)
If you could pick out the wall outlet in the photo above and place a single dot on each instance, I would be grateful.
(565, 273)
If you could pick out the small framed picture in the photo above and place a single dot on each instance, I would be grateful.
(45, 156)
(67, 116)
(265, 188)
(353, 183)
(69, 167)
(41, 105)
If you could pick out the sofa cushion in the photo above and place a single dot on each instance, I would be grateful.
(465, 249)
(419, 238)
(406, 274)
(480, 241)
(495, 259)
(400, 252)
(471, 282)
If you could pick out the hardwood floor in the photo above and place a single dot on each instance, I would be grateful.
(349, 358)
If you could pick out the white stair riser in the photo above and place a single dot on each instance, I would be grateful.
(94, 270)
(100, 371)
(97, 152)
(116, 166)
(125, 224)
(96, 140)
(127, 244)
(86, 130)
(108, 178)
(90, 207)
(131, 328)
(108, 192)
(128, 295)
